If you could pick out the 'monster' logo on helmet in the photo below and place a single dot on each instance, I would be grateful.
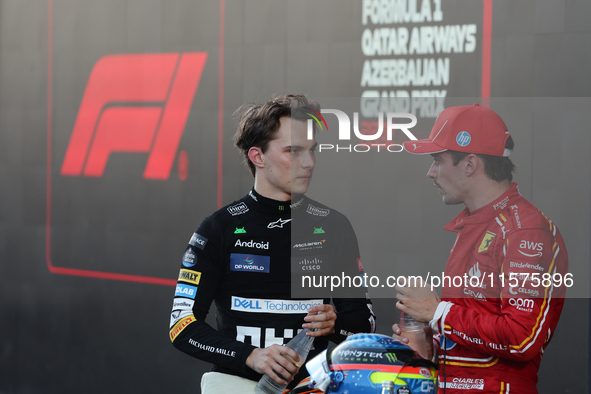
(364, 361)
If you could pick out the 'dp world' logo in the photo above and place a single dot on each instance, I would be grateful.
(134, 103)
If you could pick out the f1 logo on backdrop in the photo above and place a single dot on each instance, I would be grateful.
(134, 103)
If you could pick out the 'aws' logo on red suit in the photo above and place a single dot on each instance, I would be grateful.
(134, 103)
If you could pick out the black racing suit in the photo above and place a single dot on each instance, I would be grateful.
(245, 258)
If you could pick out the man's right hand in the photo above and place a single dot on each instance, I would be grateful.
(270, 361)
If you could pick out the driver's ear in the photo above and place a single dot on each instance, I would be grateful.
(256, 156)
(472, 162)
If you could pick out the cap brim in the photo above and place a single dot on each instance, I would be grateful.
(422, 147)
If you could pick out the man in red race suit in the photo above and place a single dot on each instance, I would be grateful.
(492, 329)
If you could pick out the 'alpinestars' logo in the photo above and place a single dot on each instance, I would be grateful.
(278, 223)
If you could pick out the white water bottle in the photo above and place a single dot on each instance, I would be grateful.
(301, 344)
(414, 331)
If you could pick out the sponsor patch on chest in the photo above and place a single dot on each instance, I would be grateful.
(250, 263)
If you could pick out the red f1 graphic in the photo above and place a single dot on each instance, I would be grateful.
(134, 103)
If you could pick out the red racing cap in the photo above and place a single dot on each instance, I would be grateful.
(466, 128)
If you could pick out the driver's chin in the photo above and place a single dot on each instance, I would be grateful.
(447, 200)
(299, 188)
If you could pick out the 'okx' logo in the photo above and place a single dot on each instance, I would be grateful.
(134, 103)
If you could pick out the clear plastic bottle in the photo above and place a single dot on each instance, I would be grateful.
(301, 344)
(387, 387)
(414, 331)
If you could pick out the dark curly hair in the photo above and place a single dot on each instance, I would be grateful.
(496, 168)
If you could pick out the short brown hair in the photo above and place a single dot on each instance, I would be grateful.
(497, 168)
(258, 123)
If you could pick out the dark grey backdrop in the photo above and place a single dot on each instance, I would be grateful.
(68, 334)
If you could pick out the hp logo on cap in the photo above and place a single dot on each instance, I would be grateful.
(463, 138)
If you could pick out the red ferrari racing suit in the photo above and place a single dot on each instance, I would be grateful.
(496, 323)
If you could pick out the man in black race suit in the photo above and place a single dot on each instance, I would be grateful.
(250, 256)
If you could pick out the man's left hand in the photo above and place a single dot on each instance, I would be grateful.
(321, 317)
(420, 302)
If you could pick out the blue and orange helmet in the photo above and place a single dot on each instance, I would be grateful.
(360, 364)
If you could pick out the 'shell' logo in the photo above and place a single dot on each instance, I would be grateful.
(134, 103)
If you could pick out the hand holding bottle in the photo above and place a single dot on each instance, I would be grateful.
(295, 356)
(270, 362)
(417, 298)
(415, 332)
(320, 320)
